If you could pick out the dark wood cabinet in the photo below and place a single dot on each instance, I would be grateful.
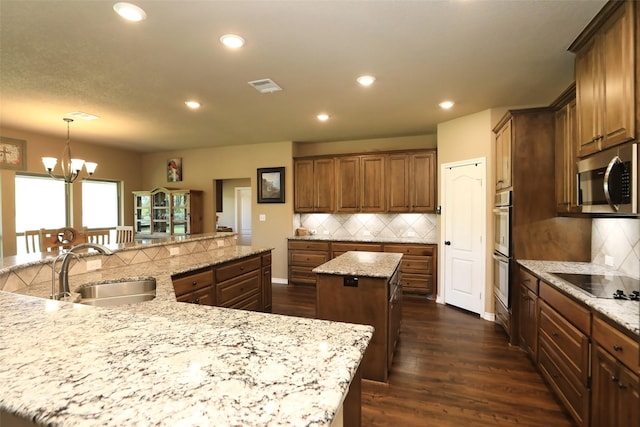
(338, 248)
(615, 385)
(528, 314)
(367, 183)
(605, 70)
(304, 256)
(418, 267)
(314, 182)
(242, 284)
(566, 153)
(360, 184)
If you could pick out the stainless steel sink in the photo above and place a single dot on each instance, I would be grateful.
(118, 293)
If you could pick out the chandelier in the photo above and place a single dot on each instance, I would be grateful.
(71, 168)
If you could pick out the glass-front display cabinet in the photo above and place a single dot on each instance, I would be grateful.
(165, 211)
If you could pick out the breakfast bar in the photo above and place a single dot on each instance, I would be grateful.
(161, 362)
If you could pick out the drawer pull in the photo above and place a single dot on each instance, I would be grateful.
(197, 301)
(194, 283)
(554, 334)
(614, 378)
(616, 347)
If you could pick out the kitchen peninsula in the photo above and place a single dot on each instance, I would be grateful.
(166, 363)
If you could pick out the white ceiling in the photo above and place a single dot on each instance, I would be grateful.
(63, 56)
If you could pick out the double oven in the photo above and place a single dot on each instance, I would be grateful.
(502, 256)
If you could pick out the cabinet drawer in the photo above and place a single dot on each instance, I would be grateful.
(266, 259)
(529, 280)
(309, 245)
(342, 247)
(577, 314)
(252, 303)
(236, 268)
(192, 282)
(566, 340)
(620, 345)
(572, 393)
(239, 288)
(416, 250)
(414, 264)
(417, 283)
(312, 259)
(298, 274)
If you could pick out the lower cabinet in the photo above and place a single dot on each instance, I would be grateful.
(418, 267)
(242, 284)
(592, 365)
(304, 256)
(528, 314)
(615, 388)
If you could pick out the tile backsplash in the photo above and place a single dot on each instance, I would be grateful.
(618, 238)
(419, 226)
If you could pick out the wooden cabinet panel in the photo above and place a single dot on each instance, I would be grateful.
(338, 248)
(237, 289)
(588, 99)
(348, 184)
(503, 156)
(565, 158)
(398, 183)
(236, 268)
(314, 185)
(372, 184)
(304, 256)
(422, 182)
(528, 320)
(267, 291)
(574, 312)
(622, 346)
(190, 282)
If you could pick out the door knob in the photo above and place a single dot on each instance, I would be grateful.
(447, 242)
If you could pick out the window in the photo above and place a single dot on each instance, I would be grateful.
(99, 204)
(40, 203)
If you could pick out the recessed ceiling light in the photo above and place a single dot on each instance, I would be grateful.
(129, 11)
(366, 80)
(323, 117)
(445, 105)
(232, 41)
(194, 105)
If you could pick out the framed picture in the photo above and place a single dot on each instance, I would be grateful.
(174, 169)
(13, 154)
(271, 185)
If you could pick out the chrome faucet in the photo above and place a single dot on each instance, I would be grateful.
(63, 277)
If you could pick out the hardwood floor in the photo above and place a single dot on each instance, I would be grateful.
(451, 368)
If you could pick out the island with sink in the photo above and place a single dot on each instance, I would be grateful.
(161, 362)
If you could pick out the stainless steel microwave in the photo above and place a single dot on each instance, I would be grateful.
(608, 181)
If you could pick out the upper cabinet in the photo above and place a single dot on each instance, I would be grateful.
(566, 152)
(360, 184)
(167, 211)
(605, 79)
(368, 183)
(314, 185)
(503, 156)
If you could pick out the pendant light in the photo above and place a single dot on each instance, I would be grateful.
(71, 168)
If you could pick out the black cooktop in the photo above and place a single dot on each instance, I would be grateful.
(605, 286)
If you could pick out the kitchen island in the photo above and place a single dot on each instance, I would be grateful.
(364, 288)
(166, 363)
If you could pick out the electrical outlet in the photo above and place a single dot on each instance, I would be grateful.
(367, 233)
(174, 251)
(94, 264)
(608, 260)
(220, 243)
(325, 232)
(411, 233)
(263, 217)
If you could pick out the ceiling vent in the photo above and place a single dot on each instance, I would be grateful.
(265, 86)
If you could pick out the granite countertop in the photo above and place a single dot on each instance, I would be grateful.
(366, 239)
(624, 313)
(363, 264)
(166, 363)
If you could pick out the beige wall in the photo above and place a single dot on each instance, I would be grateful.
(113, 164)
(201, 167)
(465, 138)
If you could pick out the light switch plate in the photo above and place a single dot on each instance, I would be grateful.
(174, 251)
(263, 217)
(94, 264)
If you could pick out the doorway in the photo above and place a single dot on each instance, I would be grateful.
(464, 236)
(243, 215)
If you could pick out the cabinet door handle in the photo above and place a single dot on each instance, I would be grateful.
(614, 378)
(616, 347)
(197, 301)
(194, 283)
(554, 334)
(620, 385)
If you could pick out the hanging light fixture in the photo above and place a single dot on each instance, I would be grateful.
(71, 168)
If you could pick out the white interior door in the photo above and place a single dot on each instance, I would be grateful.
(243, 215)
(464, 234)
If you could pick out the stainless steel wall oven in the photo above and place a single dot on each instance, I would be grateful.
(502, 246)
